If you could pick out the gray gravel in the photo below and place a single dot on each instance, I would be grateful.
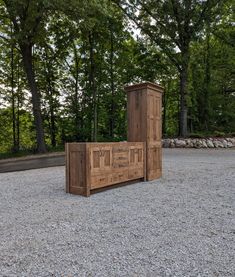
(180, 225)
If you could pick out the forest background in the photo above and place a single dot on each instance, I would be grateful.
(64, 64)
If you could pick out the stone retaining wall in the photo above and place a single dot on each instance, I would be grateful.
(199, 143)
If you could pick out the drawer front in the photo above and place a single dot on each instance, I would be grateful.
(101, 181)
(135, 173)
(120, 177)
(115, 163)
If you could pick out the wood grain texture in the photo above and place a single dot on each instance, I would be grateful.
(144, 113)
(76, 173)
(146, 85)
(67, 167)
(136, 115)
(92, 166)
(154, 134)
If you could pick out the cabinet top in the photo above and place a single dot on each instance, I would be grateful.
(145, 85)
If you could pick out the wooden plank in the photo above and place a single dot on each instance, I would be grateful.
(76, 168)
(79, 191)
(88, 171)
(154, 160)
(120, 176)
(136, 115)
(67, 167)
(147, 85)
(135, 173)
(101, 180)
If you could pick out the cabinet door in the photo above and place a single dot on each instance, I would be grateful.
(76, 165)
(100, 159)
(136, 158)
(154, 117)
(154, 160)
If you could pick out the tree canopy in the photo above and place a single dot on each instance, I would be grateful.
(63, 66)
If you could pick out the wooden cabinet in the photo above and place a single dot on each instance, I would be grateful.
(91, 166)
(144, 109)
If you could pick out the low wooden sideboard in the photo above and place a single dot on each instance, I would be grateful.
(90, 166)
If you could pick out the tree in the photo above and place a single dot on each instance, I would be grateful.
(173, 25)
(27, 18)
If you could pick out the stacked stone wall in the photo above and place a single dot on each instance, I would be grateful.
(199, 143)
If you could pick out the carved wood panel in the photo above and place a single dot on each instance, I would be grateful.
(114, 163)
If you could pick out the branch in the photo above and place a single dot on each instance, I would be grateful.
(150, 35)
(167, 31)
(5, 38)
(207, 6)
(176, 14)
(224, 39)
(12, 18)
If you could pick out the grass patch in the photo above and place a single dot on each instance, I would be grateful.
(29, 152)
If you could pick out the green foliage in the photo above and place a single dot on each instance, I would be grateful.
(219, 134)
(84, 52)
(213, 84)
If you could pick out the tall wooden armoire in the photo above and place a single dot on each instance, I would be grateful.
(144, 111)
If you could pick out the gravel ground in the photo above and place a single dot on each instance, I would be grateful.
(180, 225)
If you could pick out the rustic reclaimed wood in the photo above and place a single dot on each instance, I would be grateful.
(144, 108)
(92, 166)
(67, 167)
(77, 172)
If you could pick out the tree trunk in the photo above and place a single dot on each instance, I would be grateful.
(183, 105)
(207, 82)
(18, 107)
(93, 87)
(18, 122)
(111, 118)
(183, 130)
(76, 106)
(14, 148)
(26, 51)
(50, 89)
(165, 107)
(52, 119)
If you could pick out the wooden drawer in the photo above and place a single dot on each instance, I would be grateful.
(99, 181)
(95, 165)
(119, 177)
(135, 173)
